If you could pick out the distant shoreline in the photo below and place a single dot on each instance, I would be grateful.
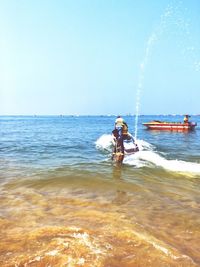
(95, 115)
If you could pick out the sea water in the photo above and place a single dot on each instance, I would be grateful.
(64, 203)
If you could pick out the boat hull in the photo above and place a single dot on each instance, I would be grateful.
(170, 126)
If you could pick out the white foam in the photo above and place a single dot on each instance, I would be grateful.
(148, 157)
(81, 261)
(52, 252)
(85, 239)
(143, 145)
(104, 142)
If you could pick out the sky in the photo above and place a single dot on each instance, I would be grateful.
(95, 57)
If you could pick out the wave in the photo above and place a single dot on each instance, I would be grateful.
(147, 156)
(159, 161)
(104, 142)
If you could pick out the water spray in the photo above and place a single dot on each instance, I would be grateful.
(165, 20)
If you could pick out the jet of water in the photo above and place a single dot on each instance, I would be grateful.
(152, 39)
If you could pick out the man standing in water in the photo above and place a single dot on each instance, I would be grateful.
(121, 135)
(119, 132)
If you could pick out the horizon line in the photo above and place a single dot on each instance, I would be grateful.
(90, 115)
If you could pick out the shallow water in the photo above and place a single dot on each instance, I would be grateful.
(64, 203)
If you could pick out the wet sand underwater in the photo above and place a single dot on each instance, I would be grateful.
(91, 219)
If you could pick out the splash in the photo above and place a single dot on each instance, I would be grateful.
(147, 156)
(152, 39)
(149, 47)
(104, 143)
(151, 158)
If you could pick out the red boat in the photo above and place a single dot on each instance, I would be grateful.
(170, 126)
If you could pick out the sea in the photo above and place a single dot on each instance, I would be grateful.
(64, 203)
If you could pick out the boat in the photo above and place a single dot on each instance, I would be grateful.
(170, 126)
(123, 148)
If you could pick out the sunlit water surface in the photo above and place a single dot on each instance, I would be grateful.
(64, 203)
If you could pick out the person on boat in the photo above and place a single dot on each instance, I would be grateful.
(186, 119)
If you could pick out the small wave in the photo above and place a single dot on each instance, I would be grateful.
(143, 145)
(148, 157)
(163, 247)
(104, 143)
(81, 247)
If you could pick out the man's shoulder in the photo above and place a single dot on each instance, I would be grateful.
(119, 119)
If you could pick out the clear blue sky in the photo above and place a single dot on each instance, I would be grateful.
(86, 56)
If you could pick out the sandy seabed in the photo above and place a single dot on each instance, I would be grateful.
(47, 228)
